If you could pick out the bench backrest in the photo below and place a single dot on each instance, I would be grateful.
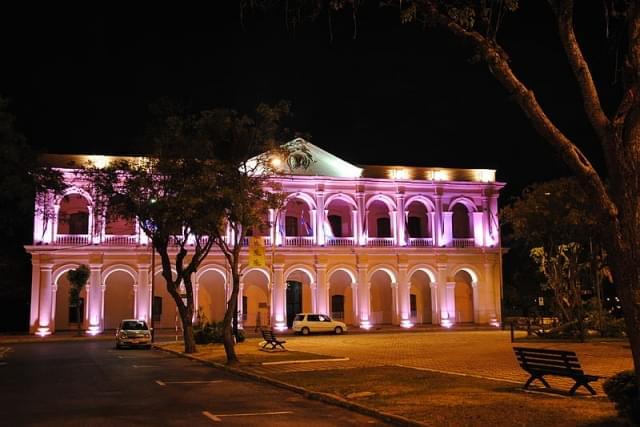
(268, 335)
(551, 361)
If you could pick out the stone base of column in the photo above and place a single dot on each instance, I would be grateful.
(406, 323)
(94, 330)
(43, 331)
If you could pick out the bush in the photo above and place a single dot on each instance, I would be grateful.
(213, 333)
(622, 389)
(613, 328)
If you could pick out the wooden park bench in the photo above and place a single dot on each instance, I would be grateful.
(539, 362)
(270, 339)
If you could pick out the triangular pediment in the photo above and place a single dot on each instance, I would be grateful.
(322, 163)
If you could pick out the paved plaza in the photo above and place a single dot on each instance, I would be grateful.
(486, 354)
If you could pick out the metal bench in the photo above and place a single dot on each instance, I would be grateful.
(540, 362)
(271, 339)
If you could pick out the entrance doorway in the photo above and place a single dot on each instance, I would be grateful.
(294, 300)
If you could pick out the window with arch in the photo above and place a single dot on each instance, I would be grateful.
(461, 222)
(384, 227)
(73, 216)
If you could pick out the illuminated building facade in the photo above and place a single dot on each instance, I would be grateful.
(371, 245)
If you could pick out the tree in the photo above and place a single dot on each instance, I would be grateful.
(565, 237)
(203, 177)
(22, 180)
(78, 279)
(477, 23)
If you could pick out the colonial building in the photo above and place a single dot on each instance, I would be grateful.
(368, 244)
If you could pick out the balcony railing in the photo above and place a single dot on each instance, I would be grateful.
(119, 240)
(463, 243)
(73, 239)
(265, 239)
(421, 242)
(340, 241)
(379, 242)
(299, 241)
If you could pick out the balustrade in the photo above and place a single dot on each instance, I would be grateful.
(463, 243)
(73, 239)
(380, 242)
(421, 242)
(340, 241)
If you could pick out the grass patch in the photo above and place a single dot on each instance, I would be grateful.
(249, 353)
(451, 400)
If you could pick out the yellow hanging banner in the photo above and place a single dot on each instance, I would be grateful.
(256, 252)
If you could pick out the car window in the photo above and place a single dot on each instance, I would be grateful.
(313, 318)
(299, 317)
(132, 325)
(325, 318)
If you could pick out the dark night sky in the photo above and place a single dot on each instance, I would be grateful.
(81, 80)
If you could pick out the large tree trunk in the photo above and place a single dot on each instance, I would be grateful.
(229, 339)
(187, 333)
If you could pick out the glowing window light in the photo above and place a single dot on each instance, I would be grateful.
(399, 173)
(100, 162)
(486, 175)
(440, 175)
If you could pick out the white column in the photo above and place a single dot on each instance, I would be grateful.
(272, 225)
(320, 237)
(355, 226)
(322, 290)
(435, 306)
(492, 304)
(45, 293)
(143, 303)
(313, 287)
(240, 312)
(54, 223)
(35, 294)
(404, 297)
(476, 303)
(135, 300)
(394, 304)
(400, 219)
(362, 235)
(446, 317)
(450, 291)
(354, 303)
(96, 299)
(479, 229)
(196, 300)
(364, 290)
(313, 215)
(437, 222)
(279, 299)
(393, 215)
(447, 236)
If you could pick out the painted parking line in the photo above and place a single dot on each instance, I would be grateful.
(287, 362)
(218, 417)
(164, 383)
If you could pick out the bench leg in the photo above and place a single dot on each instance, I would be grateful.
(580, 383)
(533, 378)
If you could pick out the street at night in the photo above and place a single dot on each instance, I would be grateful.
(92, 384)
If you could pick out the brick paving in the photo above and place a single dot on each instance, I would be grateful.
(486, 354)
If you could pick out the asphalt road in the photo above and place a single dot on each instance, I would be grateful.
(92, 384)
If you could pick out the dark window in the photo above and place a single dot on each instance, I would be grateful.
(384, 227)
(244, 307)
(79, 223)
(74, 312)
(291, 226)
(461, 224)
(313, 318)
(299, 317)
(157, 309)
(414, 305)
(414, 226)
(335, 221)
(337, 306)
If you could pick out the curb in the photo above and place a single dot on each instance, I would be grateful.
(43, 340)
(312, 395)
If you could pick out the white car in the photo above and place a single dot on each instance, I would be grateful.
(133, 332)
(305, 323)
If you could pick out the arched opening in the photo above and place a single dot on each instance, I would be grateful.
(118, 299)
(339, 221)
(256, 309)
(341, 297)
(379, 224)
(67, 315)
(212, 300)
(73, 220)
(298, 295)
(420, 294)
(418, 220)
(297, 219)
(116, 225)
(381, 298)
(461, 222)
(165, 312)
(464, 297)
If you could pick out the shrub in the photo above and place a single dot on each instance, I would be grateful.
(213, 333)
(613, 328)
(622, 389)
